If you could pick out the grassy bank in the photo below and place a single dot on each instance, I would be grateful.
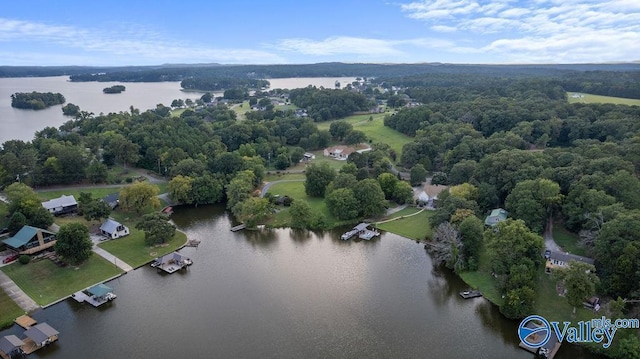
(46, 283)
(414, 227)
(9, 310)
(295, 190)
(375, 130)
(588, 98)
(570, 242)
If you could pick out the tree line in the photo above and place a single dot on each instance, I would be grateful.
(36, 100)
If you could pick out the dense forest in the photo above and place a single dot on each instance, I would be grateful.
(36, 100)
(500, 138)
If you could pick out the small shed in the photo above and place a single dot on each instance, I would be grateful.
(11, 345)
(114, 229)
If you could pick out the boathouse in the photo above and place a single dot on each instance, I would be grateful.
(39, 336)
(172, 262)
(11, 346)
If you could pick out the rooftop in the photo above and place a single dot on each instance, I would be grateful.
(568, 257)
(99, 290)
(110, 226)
(10, 342)
(40, 332)
(497, 215)
(23, 236)
(62, 201)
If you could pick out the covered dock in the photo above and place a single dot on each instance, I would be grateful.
(96, 295)
(362, 231)
(38, 336)
(548, 351)
(172, 262)
(11, 347)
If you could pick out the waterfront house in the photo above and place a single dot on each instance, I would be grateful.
(558, 260)
(113, 229)
(339, 152)
(61, 205)
(497, 215)
(30, 240)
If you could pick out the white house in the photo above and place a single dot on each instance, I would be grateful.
(113, 229)
(61, 205)
(339, 152)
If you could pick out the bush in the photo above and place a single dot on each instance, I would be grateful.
(24, 259)
(128, 180)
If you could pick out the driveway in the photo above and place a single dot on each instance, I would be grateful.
(549, 243)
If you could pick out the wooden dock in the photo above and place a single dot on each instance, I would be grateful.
(238, 227)
(25, 321)
(468, 294)
(30, 346)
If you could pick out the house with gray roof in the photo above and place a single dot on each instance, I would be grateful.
(112, 200)
(559, 260)
(30, 240)
(61, 205)
(114, 229)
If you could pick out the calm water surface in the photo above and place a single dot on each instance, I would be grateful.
(22, 124)
(286, 294)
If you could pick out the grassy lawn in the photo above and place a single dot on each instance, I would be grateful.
(404, 212)
(375, 130)
(95, 192)
(283, 175)
(134, 251)
(240, 109)
(320, 158)
(414, 227)
(4, 210)
(45, 282)
(587, 98)
(570, 242)
(177, 112)
(295, 190)
(10, 310)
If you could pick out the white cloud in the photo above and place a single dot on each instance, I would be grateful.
(126, 42)
(538, 30)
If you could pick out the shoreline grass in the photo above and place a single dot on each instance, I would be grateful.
(415, 227)
(46, 283)
(10, 310)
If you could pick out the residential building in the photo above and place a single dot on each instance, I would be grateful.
(114, 229)
(558, 260)
(61, 205)
(339, 152)
(30, 240)
(112, 200)
(497, 215)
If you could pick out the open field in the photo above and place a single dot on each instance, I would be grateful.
(375, 130)
(240, 109)
(414, 227)
(567, 240)
(97, 192)
(283, 175)
(295, 190)
(132, 249)
(320, 158)
(9, 310)
(587, 98)
(46, 283)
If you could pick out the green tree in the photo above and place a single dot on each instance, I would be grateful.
(532, 201)
(403, 193)
(282, 161)
(417, 175)
(97, 172)
(19, 194)
(339, 129)
(387, 182)
(349, 168)
(180, 189)
(318, 177)
(73, 243)
(96, 210)
(471, 229)
(239, 189)
(206, 189)
(16, 222)
(124, 150)
(509, 243)
(342, 203)
(139, 196)
(446, 247)
(254, 210)
(355, 137)
(580, 281)
(342, 180)
(370, 198)
(156, 228)
(518, 303)
(465, 190)
(300, 212)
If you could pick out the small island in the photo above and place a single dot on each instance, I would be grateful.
(114, 89)
(36, 100)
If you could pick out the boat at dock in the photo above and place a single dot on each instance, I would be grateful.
(468, 294)
(362, 231)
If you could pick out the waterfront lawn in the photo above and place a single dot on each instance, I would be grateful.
(375, 130)
(404, 212)
(296, 191)
(46, 283)
(135, 252)
(415, 227)
(10, 310)
(588, 98)
(570, 242)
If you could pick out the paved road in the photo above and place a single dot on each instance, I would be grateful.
(267, 185)
(17, 295)
(549, 243)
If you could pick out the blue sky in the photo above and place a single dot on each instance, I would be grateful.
(64, 32)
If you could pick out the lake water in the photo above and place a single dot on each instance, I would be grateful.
(22, 124)
(286, 294)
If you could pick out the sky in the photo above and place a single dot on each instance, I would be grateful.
(142, 32)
